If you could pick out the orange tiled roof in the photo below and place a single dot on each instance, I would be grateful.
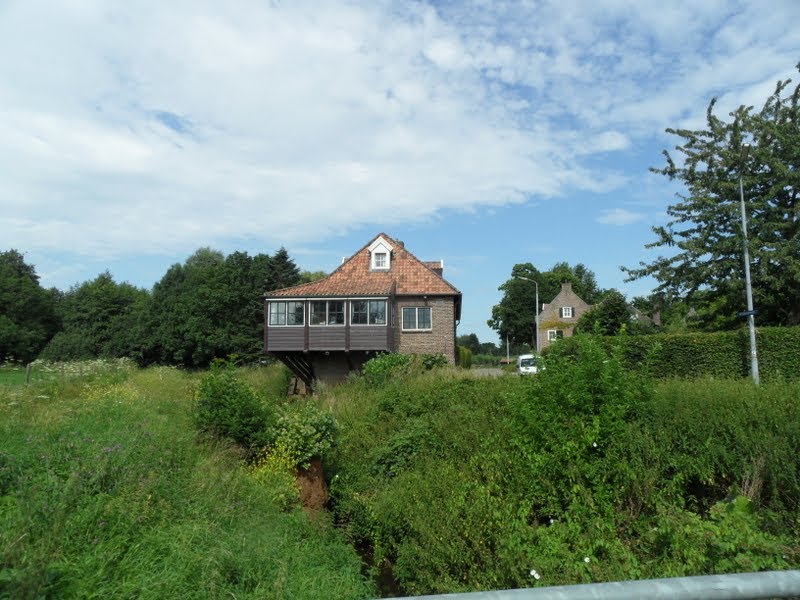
(408, 276)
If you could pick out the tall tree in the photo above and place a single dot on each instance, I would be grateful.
(100, 318)
(283, 271)
(515, 315)
(608, 317)
(28, 316)
(707, 267)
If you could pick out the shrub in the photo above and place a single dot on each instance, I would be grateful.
(433, 361)
(305, 432)
(380, 369)
(228, 407)
(464, 357)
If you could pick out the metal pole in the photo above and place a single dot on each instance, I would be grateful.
(751, 321)
(536, 316)
(735, 586)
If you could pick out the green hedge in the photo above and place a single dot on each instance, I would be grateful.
(720, 354)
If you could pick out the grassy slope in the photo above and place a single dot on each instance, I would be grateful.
(105, 492)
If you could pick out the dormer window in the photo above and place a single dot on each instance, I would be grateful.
(380, 252)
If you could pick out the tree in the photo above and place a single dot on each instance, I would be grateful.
(707, 268)
(28, 317)
(283, 271)
(471, 341)
(515, 315)
(608, 317)
(100, 318)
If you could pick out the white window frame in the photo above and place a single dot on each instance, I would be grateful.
(369, 322)
(285, 313)
(565, 310)
(380, 247)
(552, 334)
(416, 310)
(327, 322)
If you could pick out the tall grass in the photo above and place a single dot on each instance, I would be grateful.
(106, 491)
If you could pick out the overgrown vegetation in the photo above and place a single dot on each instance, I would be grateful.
(586, 472)
(105, 491)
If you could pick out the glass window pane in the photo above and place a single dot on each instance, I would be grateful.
(336, 312)
(377, 312)
(277, 313)
(318, 313)
(294, 313)
(359, 309)
(423, 318)
(409, 318)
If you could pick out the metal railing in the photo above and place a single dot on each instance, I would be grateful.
(736, 586)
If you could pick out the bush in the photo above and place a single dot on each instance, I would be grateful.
(464, 357)
(305, 432)
(228, 407)
(383, 367)
(433, 361)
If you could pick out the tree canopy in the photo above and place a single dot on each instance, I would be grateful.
(28, 317)
(706, 265)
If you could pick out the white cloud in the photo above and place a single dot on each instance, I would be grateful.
(619, 216)
(156, 127)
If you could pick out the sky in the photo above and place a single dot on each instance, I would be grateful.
(482, 133)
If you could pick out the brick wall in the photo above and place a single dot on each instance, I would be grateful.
(442, 337)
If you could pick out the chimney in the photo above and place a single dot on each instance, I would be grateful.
(566, 286)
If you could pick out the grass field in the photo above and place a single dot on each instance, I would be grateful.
(106, 491)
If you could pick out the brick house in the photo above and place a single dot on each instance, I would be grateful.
(558, 318)
(381, 299)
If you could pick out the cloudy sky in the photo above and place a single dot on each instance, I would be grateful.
(482, 133)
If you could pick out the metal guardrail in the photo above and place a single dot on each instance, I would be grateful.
(737, 586)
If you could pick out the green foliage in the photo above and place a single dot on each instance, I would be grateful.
(28, 317)
(229, 408)
(586, 472)
(724, 354)
(101, 318)
(611, 316)
(305, 432)
(704, 238)
(380, 369)
(105, 492)
(433, 361)
(464, 357)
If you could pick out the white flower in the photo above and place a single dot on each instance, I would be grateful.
(586, 559)
(594, 444)
(535, 574)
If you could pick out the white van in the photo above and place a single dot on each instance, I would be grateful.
(527, 364)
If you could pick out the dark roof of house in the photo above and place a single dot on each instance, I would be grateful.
(407, 276)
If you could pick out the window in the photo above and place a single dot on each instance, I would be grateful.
(554, 334)
(286, 313)
(330, 312)
(380, 260)
(380, 254)
(417, 318)
(566, 312)
(368, 312)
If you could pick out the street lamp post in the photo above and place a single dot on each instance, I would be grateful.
(536, 312)
(751, 323)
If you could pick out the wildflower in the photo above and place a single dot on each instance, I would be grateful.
(594, 444)
(534, 574)
(586, 559)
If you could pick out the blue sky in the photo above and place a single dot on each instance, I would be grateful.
(481, 133)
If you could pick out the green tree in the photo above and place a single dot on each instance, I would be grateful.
(28, 317)
(100, 318)
(283, 271)
(471, 341)
(608, 317)
(515, 315)
(707, 267)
